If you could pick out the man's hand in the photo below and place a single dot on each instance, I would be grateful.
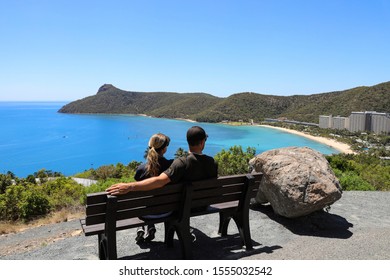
(118, 189)
(145, 185)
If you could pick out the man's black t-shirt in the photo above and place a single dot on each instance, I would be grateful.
(193, 167)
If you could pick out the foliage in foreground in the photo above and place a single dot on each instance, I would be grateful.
(361, 172)
(39, 194)
(234, 160)
(26, 201)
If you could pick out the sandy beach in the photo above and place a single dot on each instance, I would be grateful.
(342, 147)
(187, 120)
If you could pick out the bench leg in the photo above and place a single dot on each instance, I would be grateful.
(107, 247)
(242, 223)
(102, 246)
(224, 220)
(169, 234)
(107, 240)
(184, 235)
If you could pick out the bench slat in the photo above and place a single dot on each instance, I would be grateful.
(134, 203)
(218, 182)
(135, 212)
(215, 208)
(217, 191)
(101, 197)
(122, 225)
(214, 200)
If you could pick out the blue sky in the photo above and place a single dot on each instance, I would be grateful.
(65, 50)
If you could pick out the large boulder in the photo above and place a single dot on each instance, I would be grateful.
(296, 181)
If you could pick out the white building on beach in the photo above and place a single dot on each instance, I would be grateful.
(358, 121)
(325, 121)
(380, 123)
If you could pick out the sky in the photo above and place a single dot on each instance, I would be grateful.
(65, 50)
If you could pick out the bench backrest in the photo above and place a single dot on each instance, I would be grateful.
(133, 204)
(168, 198)
(224, 189)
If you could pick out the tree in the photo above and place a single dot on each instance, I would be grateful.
(234, 160)
(133, 165)
(31, 179)
(5, 181)
(107, 171)
(42, 176)
(181, 153)
(11, 175)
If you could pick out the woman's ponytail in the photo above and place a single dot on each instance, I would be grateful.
(156, 144)
(152, 166)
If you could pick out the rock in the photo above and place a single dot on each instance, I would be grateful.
(106, 88)
(296, 182)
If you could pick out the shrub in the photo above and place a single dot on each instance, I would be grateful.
(5, 181)
(87, 174)
(33, 204)
(234, 161)
(378, 176)
(110, 171)
(361, 171)
(23, 202)
(63, 192)
(352, 181)
(107, 171)
(9, 203)
(340, 162)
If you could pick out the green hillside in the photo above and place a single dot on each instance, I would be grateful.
(240, 106)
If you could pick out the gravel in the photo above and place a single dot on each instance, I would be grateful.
(357, 227)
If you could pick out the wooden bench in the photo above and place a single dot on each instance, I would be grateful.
(229, 196)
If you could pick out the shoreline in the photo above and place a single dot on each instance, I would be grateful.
(339, 146)
(187, 120)
(179, 119)
(342, 147)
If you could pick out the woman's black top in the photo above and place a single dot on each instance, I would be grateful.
(142, 173)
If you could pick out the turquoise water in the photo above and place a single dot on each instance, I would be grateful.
(34, 136)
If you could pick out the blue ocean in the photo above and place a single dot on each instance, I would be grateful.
(34, 136)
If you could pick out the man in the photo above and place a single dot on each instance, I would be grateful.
(196, 166)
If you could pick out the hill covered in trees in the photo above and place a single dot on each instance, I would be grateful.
(240, 106)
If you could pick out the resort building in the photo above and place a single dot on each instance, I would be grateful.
(380, 123)
(325, 121)
(358, 121)
(334, 122)
(340, 122)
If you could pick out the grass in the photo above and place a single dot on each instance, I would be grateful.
(63, 215)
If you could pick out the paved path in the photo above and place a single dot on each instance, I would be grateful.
(357, 227)
(84, 182)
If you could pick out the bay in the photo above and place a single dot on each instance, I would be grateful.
(34, 136)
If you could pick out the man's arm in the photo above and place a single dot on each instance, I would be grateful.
(145, 185)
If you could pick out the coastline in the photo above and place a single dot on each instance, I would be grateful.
(187, 120)
(179, 119)
(342, 147)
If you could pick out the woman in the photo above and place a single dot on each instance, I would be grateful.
(156, 163)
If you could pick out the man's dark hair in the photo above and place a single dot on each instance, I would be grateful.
(195, 135)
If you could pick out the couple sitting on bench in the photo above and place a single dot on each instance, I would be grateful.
(158, 171)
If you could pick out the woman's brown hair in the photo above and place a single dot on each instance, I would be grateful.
(157, 143)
